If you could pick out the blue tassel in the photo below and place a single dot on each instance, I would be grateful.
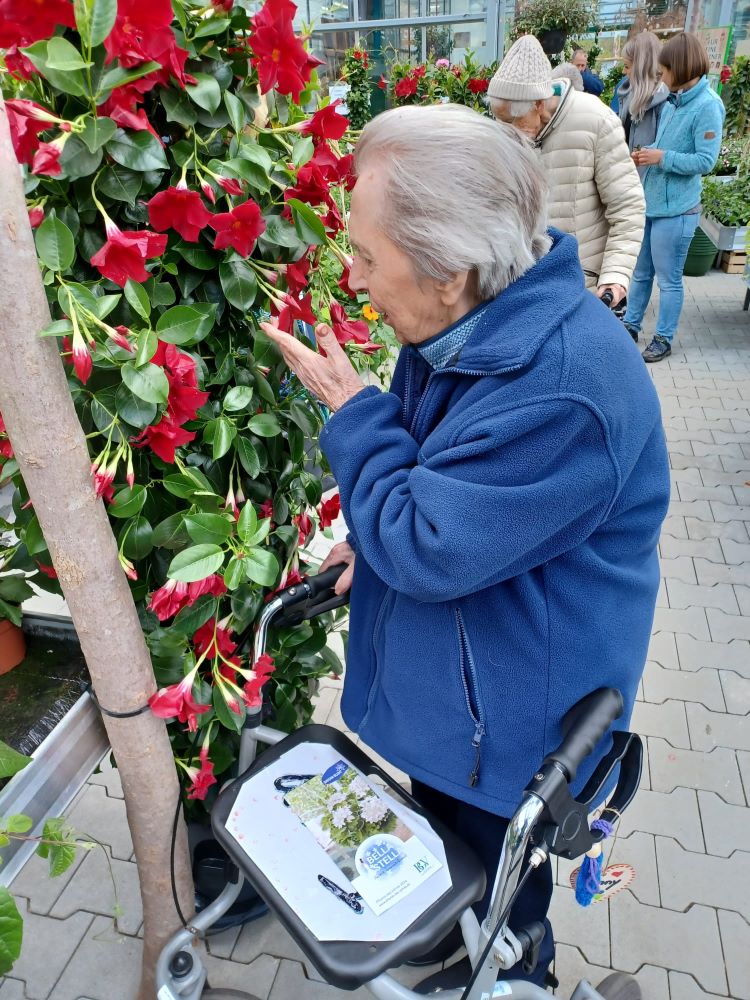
(589, 880)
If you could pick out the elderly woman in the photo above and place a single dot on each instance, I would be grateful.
(504, 497)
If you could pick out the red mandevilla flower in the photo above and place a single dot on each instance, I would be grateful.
(478, 86)
(6, 449)
(36, 216)
(124, 254)
(202, 779)
(239, 228)
(329, 510)
(25, 21)
(280, 57)
(383, 83)
(181, 210)
(26, 120)
(142, 33)
(326, 123)
(214, 641)
(347, 329)
(177, 700)
(296, 275)
(262, 670)
(230, 184)
(169, 599)
(406, 87)
(47, 160)
(304, 526)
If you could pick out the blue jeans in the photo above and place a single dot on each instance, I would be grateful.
(663, 252)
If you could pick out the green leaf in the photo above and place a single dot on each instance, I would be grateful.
(191, 618)
(128, 501)
(248, 170)
(221, 432)
(61, 857)
(238, 398)
(54, 244)
(94, 19)
(33, 538)
(137, 297)
(69, 82)
(12, 612)
(206, 93)
(228, 718)
(239, 283)
(11, 762)
(303, 418)
(11, 931)
(147, 345)
(57, 328)
(15, 588)
(180, 325)
(198, 257)
(195, 563)
(302, 151)
(236, 111)
(211, 26)
(308, 225)
(248, 457)
(247, 524)
(170, 533)
(18, 823)
(234, 574)
(137, 538)
(119, 76)
(97, 132)
(148, 382)
(254, 153)
(259, 536)
(120, 184)
(63, 56)
(177, 107)
(209, 528)
(261, 566)
(264, 425)
(137, 150)
(134, 411)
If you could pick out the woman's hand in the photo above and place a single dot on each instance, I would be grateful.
(341, 553)
(648, 157)
(329, 375)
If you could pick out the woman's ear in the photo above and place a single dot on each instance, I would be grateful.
(452, 291)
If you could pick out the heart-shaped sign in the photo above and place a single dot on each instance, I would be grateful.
(614, 878)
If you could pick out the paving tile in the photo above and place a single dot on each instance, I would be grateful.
(667, 720)
(102, 818)
(291, 984)
(686, 878)
(691, 621)
(99, 889)
(258, 977)
(706, 548)
(729, 512)
(713, 729)
(714, 771)
(645, 934)
(221, 945)
(674, 526)
(736, 692)
(709, 573)
(742, 593)
(700, 509)
(687, 595)
(103, 958)
(704, 686)
(684, 987)
(735, 553)
(726, 828)
(731, 530)
(662, 649)
(694, 654)
(11, 989)
(34, 882)
(637, 850)
(680, 568)
(735, 939)
(109, 777)
(571, 967)
(324, 703)
(61, 940)
(724, 627)
(586, 928)
(743, 762)
(674, 814)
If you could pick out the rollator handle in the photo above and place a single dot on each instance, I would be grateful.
(311, 597)
(584, 725)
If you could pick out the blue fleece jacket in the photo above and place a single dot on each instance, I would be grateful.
(505, 514)
(690, 131)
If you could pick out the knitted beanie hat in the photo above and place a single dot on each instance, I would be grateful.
(524, 74)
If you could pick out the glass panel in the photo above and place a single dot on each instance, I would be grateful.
(331, 46)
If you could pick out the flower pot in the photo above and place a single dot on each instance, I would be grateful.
(12, 646)
(725, 237)
(553, 40)
(211, 872)
(701, 255)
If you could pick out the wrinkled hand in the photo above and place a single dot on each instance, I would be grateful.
(341, 553)
(329, 375)
(618, 292)
(648, 157)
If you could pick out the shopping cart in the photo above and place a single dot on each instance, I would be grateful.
(548, 821)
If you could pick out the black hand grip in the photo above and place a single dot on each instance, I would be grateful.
(324, 581)
(584, 725)
(608, 298)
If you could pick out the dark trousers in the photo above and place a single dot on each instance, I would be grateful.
(484, 833)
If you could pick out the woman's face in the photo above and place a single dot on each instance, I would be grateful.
(667, 78)
(414, 305)
(627, 66)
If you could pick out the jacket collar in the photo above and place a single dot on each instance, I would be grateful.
(512, 327)
(566, 100)
(683, 97)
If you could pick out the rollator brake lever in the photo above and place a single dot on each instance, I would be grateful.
(627, 751)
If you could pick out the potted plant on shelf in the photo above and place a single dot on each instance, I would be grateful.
(726, 211)
(13, 590)
(552, 21)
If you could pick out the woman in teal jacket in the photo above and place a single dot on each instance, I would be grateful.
(686, 147)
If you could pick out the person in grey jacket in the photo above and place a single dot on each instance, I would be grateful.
(641, 95)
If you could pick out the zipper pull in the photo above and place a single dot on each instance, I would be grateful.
(478, 734)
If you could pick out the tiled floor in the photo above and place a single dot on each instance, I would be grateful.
(683, 926)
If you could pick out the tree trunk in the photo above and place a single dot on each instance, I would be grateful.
(52, 455)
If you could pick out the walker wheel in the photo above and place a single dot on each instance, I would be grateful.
(227, 995)
(620, 986)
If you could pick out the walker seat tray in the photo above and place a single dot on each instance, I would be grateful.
(306, 882)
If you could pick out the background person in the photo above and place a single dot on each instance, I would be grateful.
(592, 83)
(569, 72)
(641, 95)
(504, 504)
(594, 190)
(686, 145)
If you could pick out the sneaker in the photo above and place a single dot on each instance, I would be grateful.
(632, 331)
(657, 350)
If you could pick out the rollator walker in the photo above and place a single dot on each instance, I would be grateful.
(548, 821)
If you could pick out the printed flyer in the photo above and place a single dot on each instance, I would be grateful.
(379, 854)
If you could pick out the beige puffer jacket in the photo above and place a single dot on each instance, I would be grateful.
(595, 192)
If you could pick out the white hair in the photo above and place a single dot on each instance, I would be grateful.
(569, 72)
(462, 193)
(513, 109)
